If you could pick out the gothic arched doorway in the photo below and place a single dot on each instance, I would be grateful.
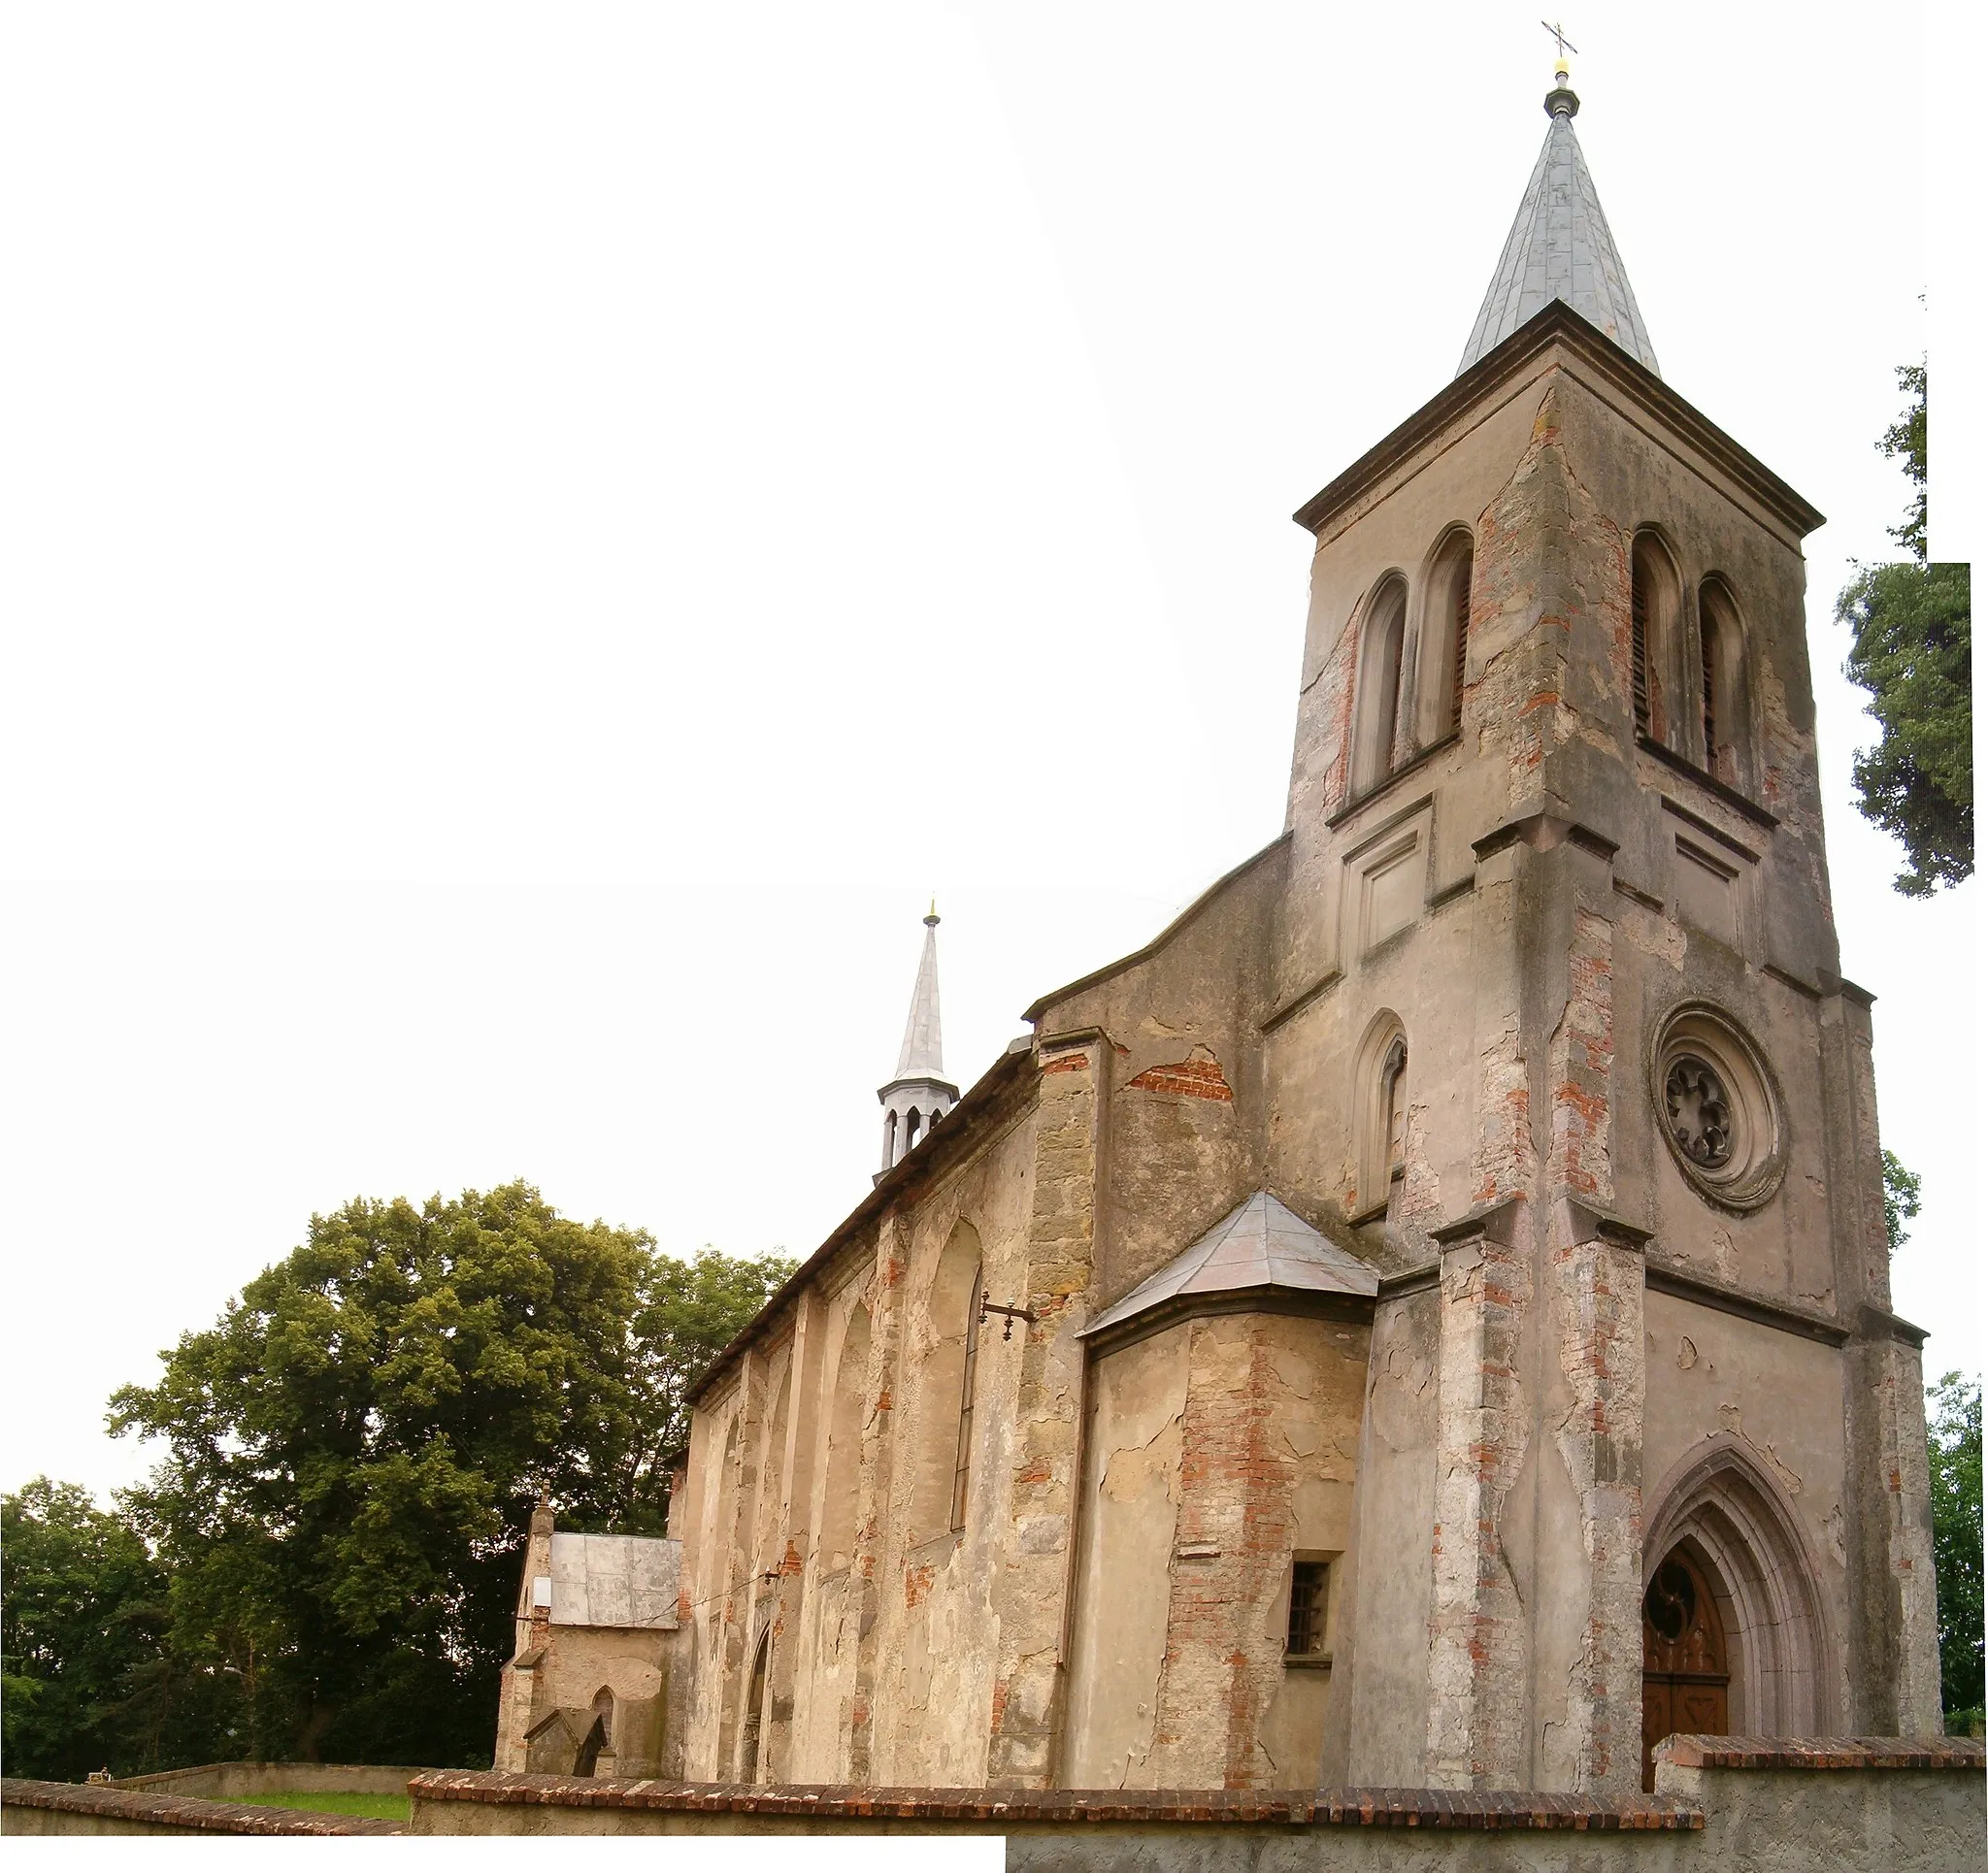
(1685, 1680)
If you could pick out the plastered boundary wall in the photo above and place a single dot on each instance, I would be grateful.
(72, 1808)
(223, 1781)
(1867, 1805)
(1754, 1805)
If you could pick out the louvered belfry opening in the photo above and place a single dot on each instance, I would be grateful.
(1640, 643)
(1707, 632)
(1460, 653)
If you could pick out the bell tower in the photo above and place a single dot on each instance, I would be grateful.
(1555, 827)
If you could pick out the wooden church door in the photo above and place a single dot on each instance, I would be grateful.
(1684, 1675)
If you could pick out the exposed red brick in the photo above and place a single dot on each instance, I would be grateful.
(1197, 1078)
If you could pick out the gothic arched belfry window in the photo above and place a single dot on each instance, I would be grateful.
(1654, 601)
(1444, 640)
(1722, 704)
(1380, 684)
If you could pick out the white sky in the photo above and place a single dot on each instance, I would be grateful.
(537, 536)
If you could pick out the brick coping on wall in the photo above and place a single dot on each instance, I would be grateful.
(194, 1812)
(1824, 1753)
(1077, 1808)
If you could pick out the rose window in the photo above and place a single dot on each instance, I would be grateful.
(1700, 1113)
(1717, 1105)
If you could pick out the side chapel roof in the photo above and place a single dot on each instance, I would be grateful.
(1258, 1244)
(1560, 248)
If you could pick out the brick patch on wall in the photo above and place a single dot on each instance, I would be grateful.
(1197, 1078)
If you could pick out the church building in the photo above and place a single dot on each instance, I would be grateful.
(1423, 1320)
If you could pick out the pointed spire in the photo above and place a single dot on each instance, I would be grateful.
(919, 1058)
(919, 1094)
(1560, 248)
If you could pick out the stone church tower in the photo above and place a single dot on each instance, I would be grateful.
(1424, 1320)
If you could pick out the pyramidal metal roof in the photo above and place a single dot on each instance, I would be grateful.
(920, 1057)
(1560, 248)
(1258, 1244)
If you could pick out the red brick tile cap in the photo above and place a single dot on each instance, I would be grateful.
(1493, 1811)
(184, 1811)
(1823, 1752)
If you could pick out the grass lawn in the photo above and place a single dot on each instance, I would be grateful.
(373, 1807)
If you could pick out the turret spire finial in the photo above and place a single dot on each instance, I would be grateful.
(1561, 101)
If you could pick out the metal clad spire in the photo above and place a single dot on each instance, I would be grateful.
(920, 1058)
(1560, 248)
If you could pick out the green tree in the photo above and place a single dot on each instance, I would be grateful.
(1912, 649)
(357, 1442)
(1953, 1446)
(1900, 1201)
(88, 1679)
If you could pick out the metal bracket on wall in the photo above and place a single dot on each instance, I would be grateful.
(989, 1306)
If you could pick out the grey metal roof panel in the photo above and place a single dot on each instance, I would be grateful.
(1560, 248)
(1259, 1244)
(628, 1581)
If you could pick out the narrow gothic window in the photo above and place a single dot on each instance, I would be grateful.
(1380, 686)
(1306, 1634)
(1394, 1074)
(963, 1456)
(1380, 1103)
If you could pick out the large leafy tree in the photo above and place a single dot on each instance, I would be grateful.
(1954, 1446)
(357, 1444)
(82, 1628)
(1912, 649)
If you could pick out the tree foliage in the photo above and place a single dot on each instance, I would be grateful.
(1953, 1447)
(357, 1444)
(1912, 649)
(1900, 1201)
(79, 1628)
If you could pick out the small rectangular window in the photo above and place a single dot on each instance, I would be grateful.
(1308, 1580)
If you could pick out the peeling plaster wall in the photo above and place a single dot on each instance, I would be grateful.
(1183, 1131)
(882, 1669)
(1218, 1447)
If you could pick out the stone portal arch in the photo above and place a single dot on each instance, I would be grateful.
(1734, 1523)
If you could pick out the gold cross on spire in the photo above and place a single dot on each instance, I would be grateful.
(1562, 45)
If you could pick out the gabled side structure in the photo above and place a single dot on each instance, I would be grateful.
(587, 1689)
(1424, 1320)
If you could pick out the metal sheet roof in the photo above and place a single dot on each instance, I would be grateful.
(1560, 248)
(1259, 1244)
